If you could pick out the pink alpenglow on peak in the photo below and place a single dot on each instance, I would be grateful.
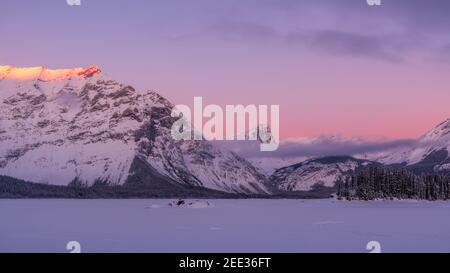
(45, 74)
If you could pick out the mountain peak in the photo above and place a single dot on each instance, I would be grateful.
(44, 74)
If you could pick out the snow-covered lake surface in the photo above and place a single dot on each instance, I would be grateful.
(226, 226)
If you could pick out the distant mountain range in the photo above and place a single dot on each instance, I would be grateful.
(79, 133)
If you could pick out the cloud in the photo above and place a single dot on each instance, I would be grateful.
(327, 41)
(348, 44)
(327, 147)
(323, 146)
(416, 15)
(350, 28)
(244, 31)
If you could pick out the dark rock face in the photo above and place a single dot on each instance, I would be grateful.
(432, 163)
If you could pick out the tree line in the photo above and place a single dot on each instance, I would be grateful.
(393, 183)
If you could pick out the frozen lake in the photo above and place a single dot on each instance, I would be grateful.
(228, 226)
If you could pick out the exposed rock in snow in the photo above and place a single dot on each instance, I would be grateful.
(196, 204)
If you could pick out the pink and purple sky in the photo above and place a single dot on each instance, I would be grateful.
(334, 67)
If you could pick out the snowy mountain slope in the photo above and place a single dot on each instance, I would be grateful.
(58, 126)
(268, 165)
(429, 153)
(321, 171)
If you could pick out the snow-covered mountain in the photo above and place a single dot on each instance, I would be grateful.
(268, 165)
(314, 172)
(61, 126)
(429, 153)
